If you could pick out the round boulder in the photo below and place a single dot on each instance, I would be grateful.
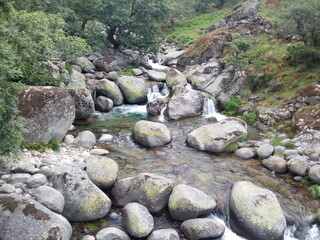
(245, 153)
(186, 202)
(102, 171)
(112, 233)
(110, 90)
(298, 165)
(314, 174)
(137, 220)
(134, 90)
(265, 151)
(151, 190)
(202, 228)
(255, 212)
(175, 77)
(83, 102)
(106, 64)
(276, 164)
(85, 64)
(103, 104)
(85, 139)
(216, 137)
(151, 134)
(47, 112)
(164, 234)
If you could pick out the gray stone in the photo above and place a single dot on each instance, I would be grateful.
(99, 75)
(106, 64)
(24, 168)
(271, 115)
(184, 103)
(134, 90)
(103, 104)
(298, 165)
(148, 189)
(217, 136)
(290, 153)
(99, 152)
(255, 212)
(19, 177)
(151, 134)
(276, 164)
(112, 233)
(102, 171)
(7, 188)
(106, 138)
(164, 234)
(202, 228)
(85, 64)
(279, 149)
(25, 218)
(84, 201)
(110, 90)
(175, 77)
(137, 220)
(186, 202)
(157, 76)
(49, 197)
(85, 139)
(47, 112)
(68, 139)
(113, 76)
(265, 151)
(77, 80)
(314, 174)
(36, 180)
(83, 101)
(88, 237)
(245, 153)
(137, 71)
(93, 82)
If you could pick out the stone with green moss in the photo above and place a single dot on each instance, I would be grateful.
(187, 202)
(175, 77)
(151, 134)
(102, 171)
(202, 228)
(255, 212)
(151, 190)
(137, 220)
(110, 90)
(134, 90)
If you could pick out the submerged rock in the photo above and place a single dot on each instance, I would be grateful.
(216, 137)
(255, 212)
(151, 134)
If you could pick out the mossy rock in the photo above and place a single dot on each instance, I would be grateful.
(110, 90)
(134, 90)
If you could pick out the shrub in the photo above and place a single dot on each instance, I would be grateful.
(289, 145)
(232, 147)
(54, 144)
(230, 107)
(250, 118)
(304, 55)
(41, 147)
(276, 141)
(315, 191)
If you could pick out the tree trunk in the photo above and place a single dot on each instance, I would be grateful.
(112, 40)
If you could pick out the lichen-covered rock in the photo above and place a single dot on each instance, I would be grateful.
(24, 218)
(164, 234)
(310, 94)
(265, 151)
(184, 103)
(202, 228)
(216, 137)
(103, 104)
(75, 80)
(47, 112)
(307, 117)
(175, 77)
(85, 139)
(106, 64)
(85, 64)
(134, 90)
(276, 164)
(155, 107)
(83, 101)
(298, 165)
(186, 202)
(255, 212)
(84, 201)
(314, 174)
(272, 115)
(151, 134)
(112, 233)
(157, 76)
(149, 189)
(102, 171)
(110, 90)
(137, 220)
(245, 153)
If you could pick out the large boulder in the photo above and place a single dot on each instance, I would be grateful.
(217, 136)
(186, 202)
(85, 64)
(47, 112)
(157, 76)
(110, 90)
(255, 212)
(84, 201)
(175, 77)
(83, 102)
(137, 220)
(171, 57)
(149, 189)
(103, 104)
(76, 80)
(106, 64)
(24, 218)
(184, 103)
(151, 134)
(102, 171)
(134, 90)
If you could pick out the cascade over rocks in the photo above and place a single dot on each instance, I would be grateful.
(25, 218)
(184, 103)
(255, 212)
(154, 108)
(148, 189)
(217, 136)
(110, 90)
(134, 90)
(47, 112)
(84, 201)
(151, 134)
(83, 103)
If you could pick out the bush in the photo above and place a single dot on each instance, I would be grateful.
(54, 144)
(230, 107)
(304, 55)
(315, 191)
(250, 118)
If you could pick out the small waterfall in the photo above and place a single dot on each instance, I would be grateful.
(313, 233)
(165, 90)
(153, 93)
(189, 86)
(161, 116)
(209, 110)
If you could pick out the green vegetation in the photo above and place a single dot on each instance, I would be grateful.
(318, 215)
(230, 107)
(41, 147)
(276, 141)
(232, 147)
(250, 118)
(315, 191)
(128, 70)
(289, 145)
(54, 144)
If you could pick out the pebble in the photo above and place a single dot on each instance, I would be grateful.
(99, 152)
(114, 216)
(298, 178)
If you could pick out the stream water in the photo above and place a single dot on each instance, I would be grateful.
(211, 173)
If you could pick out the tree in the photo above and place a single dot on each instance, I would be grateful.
(133, 23)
